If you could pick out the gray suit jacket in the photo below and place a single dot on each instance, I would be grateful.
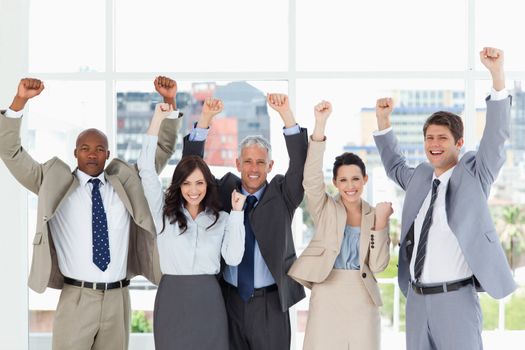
(53, 180)
(271, 219)
(466, 201)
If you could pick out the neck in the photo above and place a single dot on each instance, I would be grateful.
(194, 210)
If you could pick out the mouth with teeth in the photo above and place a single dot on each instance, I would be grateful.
(351, 193)
(436, 153)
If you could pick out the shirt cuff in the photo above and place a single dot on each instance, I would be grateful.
(382, 132)
(292, 130)
(499, 95)
(13, 114)
(198, 134)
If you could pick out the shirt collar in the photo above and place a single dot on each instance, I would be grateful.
(83, 178)
(445, 177)
(257, 194)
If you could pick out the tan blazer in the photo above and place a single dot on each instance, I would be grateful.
(329, 215)
(53, 181)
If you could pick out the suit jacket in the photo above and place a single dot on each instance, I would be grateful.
(329, 216)
(53, 180)
(271, 219)
(466, 201)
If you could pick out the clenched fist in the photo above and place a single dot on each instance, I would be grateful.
(167, 88)
(238, 200)
(384, 107)
(27, 89)
(383, 212)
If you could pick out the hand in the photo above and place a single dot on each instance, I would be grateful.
(383, 212)
(280, 103)
(27, 89)
(167, 88)
(384, 107)
(162, 110)
(238, 200)
(322, 111)
(493, 59)
(210, 108)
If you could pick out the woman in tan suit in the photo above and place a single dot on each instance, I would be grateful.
(350, 244)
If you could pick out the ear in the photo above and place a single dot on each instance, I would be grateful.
(334, 182)
(270, 166)
(238, 164)
(75, 152)
(107, 157)
(365, 179)
(460, 143)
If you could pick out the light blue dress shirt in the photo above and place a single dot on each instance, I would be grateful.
(262, 275)
(348, 258)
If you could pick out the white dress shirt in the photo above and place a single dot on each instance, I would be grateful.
(198, 250)
(71, 231)
(444, 260)
(72, 235)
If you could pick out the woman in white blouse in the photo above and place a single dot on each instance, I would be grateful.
(192, 233)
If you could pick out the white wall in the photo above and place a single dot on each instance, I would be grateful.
(13, 202)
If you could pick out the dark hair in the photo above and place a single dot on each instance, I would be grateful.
(348, 158)
(174, 201)
(452, 121)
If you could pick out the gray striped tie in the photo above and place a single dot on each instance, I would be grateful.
(423, 237)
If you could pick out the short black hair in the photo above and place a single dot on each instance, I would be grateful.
(348, 158)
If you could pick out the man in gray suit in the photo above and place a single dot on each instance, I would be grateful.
(449, 246)
(94, 229)
(258, 292)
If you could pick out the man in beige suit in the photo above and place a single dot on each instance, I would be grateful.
(94, 231)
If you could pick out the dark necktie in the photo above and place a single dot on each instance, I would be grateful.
(99, 226)
(423, 237)
(245, 280)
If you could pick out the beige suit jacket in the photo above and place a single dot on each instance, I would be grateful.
(54, 180)
(329, 216)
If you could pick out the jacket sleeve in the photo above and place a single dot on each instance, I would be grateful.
(24, 168)
(395, 164)
(292, 187)
(313, 182)
(379, 255)
(166, 142)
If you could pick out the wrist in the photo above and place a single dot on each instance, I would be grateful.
(171, 101)
(383, 124)
(203, 122)
(288, 119)
(18, 103)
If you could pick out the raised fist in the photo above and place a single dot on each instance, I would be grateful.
(278, 102)
(322, 110)
(211, 107)
(29, 88)
(166, 87)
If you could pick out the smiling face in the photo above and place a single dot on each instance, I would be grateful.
(254, 165)
(350, 183)
(91, 152)
(193, 188)
(441, 149)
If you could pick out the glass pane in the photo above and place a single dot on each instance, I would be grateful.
(67, 36)
(499, 25)
(53, 121)
(203, 35)
(381, 35)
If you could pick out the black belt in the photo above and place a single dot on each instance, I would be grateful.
(97, 285)
(441, 288)
(257, 292)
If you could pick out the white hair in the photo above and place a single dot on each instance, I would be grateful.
(256, 140)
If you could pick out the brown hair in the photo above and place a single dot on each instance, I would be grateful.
(452, 121)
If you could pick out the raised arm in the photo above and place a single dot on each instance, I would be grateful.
(146, 164)
(193, 142)
(313, 182)
(491, 153)
(24, 168)
(296, 145)
(232, 248)
(394, 163)
(169, 129)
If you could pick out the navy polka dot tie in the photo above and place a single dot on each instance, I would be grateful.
(99, 226)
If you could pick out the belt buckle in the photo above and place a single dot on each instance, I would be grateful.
(94, 285)
(445, 289)
(420, 290)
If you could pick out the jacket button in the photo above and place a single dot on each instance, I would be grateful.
(363, 275)
(399, 244)
(372, 246)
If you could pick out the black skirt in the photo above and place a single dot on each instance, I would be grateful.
(190, 314)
